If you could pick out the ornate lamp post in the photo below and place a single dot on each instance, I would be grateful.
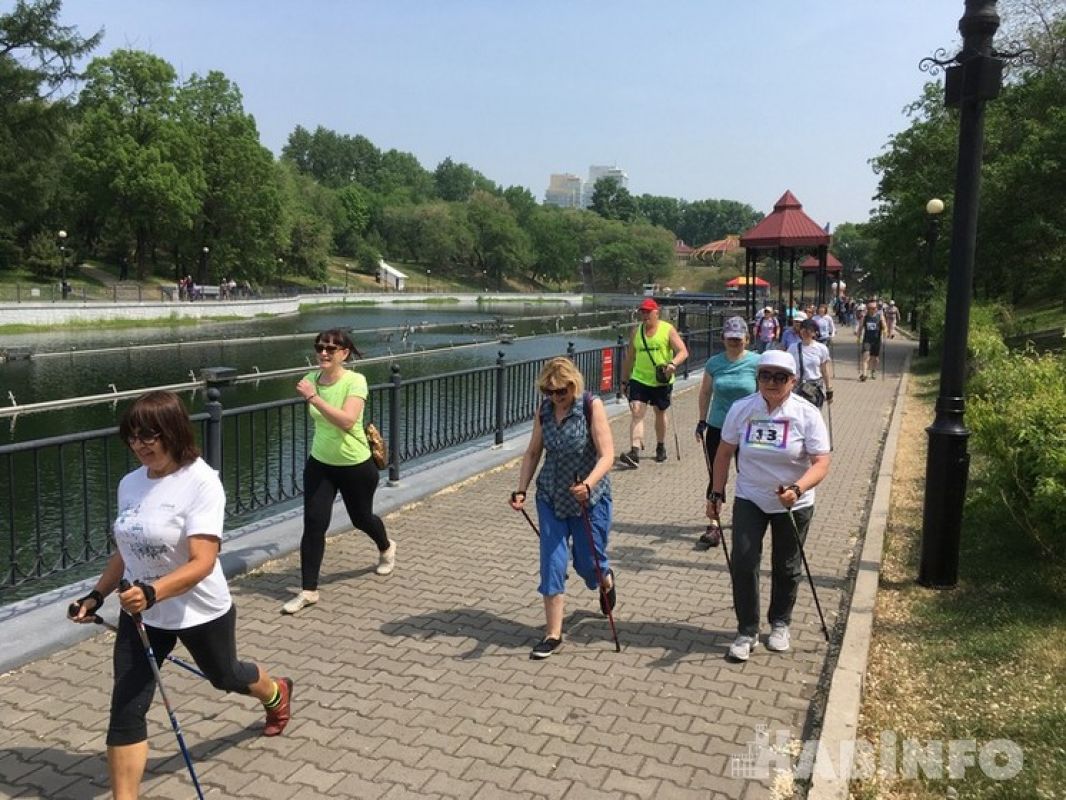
(973, 78)
(933, 209)
(346, 267)
(428, 273)
(63, 254)
(203, 264)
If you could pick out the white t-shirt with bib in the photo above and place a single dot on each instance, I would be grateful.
(775, 449)
(156, 517)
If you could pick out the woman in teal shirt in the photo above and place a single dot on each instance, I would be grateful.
(727, 377)
(340, 461)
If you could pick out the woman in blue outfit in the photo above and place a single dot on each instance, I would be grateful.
(571, 428)
(727, 377)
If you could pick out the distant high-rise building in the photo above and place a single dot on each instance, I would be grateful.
(564, 190)
(595, 173)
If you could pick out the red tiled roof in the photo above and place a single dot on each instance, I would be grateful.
(832, 264)
(786, 226)
(680, 248)
(725, 245)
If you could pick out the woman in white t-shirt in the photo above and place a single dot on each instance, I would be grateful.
(168, 532)
(784, 454)
(813, 364)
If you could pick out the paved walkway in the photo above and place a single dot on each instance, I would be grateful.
(420, 685)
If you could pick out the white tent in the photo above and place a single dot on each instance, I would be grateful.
(390, 277)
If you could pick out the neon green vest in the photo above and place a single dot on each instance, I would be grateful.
(660, 353)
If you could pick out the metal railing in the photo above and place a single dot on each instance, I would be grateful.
(57, 495)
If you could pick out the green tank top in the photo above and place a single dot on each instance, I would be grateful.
(657, 352)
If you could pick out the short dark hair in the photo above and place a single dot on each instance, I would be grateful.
(162, 414)
(809, 325)
(340, 338)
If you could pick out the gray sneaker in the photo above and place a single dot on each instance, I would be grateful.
(742, 647)
(302, 600)
(631, 459)
(386, 560)
(779, 639)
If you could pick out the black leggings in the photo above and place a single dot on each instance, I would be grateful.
(712, 437)
(212, 645)
(357, 485)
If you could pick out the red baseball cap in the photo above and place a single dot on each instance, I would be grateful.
(649, 304)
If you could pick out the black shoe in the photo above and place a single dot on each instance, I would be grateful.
(631, 459)
(545, 648)
(660, 452)
(712, 537)
(609, 598)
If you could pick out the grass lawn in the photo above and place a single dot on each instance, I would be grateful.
(984, 661)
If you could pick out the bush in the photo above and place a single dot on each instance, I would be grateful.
(1017, 413)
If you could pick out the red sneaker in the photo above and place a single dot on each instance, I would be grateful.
(278, 717)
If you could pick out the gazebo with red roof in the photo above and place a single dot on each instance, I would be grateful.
(833, 269)
(787, 227)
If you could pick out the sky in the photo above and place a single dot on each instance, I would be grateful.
(697, 99)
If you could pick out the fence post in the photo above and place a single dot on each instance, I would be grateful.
(213, 439)
(394, 426)
(619, 354)
(499, 397)
(682, 328)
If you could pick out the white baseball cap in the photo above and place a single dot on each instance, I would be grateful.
(779, 359)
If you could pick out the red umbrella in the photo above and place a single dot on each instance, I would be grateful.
(740, 280)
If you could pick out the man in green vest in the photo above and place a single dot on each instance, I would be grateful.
(653, 356)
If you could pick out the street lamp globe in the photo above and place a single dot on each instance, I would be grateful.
(934, 207)
(62, 235)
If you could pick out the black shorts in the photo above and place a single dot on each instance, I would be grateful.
(658, 396)
(872, 347)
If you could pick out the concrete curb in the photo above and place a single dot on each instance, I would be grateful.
(840, 725)
(36, 627)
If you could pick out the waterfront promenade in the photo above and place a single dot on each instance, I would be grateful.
(420, 685)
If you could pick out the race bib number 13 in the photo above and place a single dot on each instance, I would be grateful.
(767, 433)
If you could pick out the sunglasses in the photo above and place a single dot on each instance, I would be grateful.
(559, 393)
(327, 348)
(777, 378)
(144, 438)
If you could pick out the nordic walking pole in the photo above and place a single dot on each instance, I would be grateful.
(677, 442)
(806, 566)
(710, 476)
(150, 654)
(96, 618)
(829, 410)
(599, 574)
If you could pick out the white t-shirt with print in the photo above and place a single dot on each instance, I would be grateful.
(774, 450)
(156, 517)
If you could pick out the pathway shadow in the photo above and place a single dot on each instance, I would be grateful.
(489, 631)
(54, 766)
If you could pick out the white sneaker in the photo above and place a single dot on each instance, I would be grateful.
(779, 639)
(303, 599)
(742, 647)
(387, 560)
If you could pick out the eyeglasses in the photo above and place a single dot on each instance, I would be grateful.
(144, 438)
(327, 348)
(559, 393)
(774, 377)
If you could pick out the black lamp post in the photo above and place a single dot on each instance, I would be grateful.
(63, 254)
(973, 78)
(428, 273)
(933, 209)
(203, 264)
(587, 261)
(346, 267)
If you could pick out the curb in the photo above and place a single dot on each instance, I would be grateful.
(830, 777)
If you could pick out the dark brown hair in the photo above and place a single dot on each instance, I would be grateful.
(340, 338)
(163, 414)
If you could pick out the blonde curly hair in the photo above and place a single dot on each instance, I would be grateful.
(561, 371)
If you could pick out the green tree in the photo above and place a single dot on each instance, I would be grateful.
(501, 248)
(132, 157)
(662, 211)
(706, 221)
(611, 200)
(456, 181)
(38, 60)
(240, 204)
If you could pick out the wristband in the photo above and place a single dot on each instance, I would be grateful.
(716, 497)
(95, 596)
(514, 496)
(588, 488)
(312, 397)
(149, 593)
(795, 489)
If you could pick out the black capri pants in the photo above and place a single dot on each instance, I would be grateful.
(357, 484)
(212, 645)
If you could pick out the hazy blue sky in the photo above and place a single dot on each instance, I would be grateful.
(694, 99)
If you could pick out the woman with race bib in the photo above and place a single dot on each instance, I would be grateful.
(784, 454)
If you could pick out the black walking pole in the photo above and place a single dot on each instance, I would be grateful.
(677, 442)
(710, 476)
(514, 496)
(150, 654)
(599, 575)
(829, 410)
(810, 580)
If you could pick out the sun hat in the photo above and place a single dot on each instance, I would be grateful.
(734, 328)
(799, 316)
(779, 359)
(649, 304)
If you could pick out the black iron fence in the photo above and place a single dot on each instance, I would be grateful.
(58, 494)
